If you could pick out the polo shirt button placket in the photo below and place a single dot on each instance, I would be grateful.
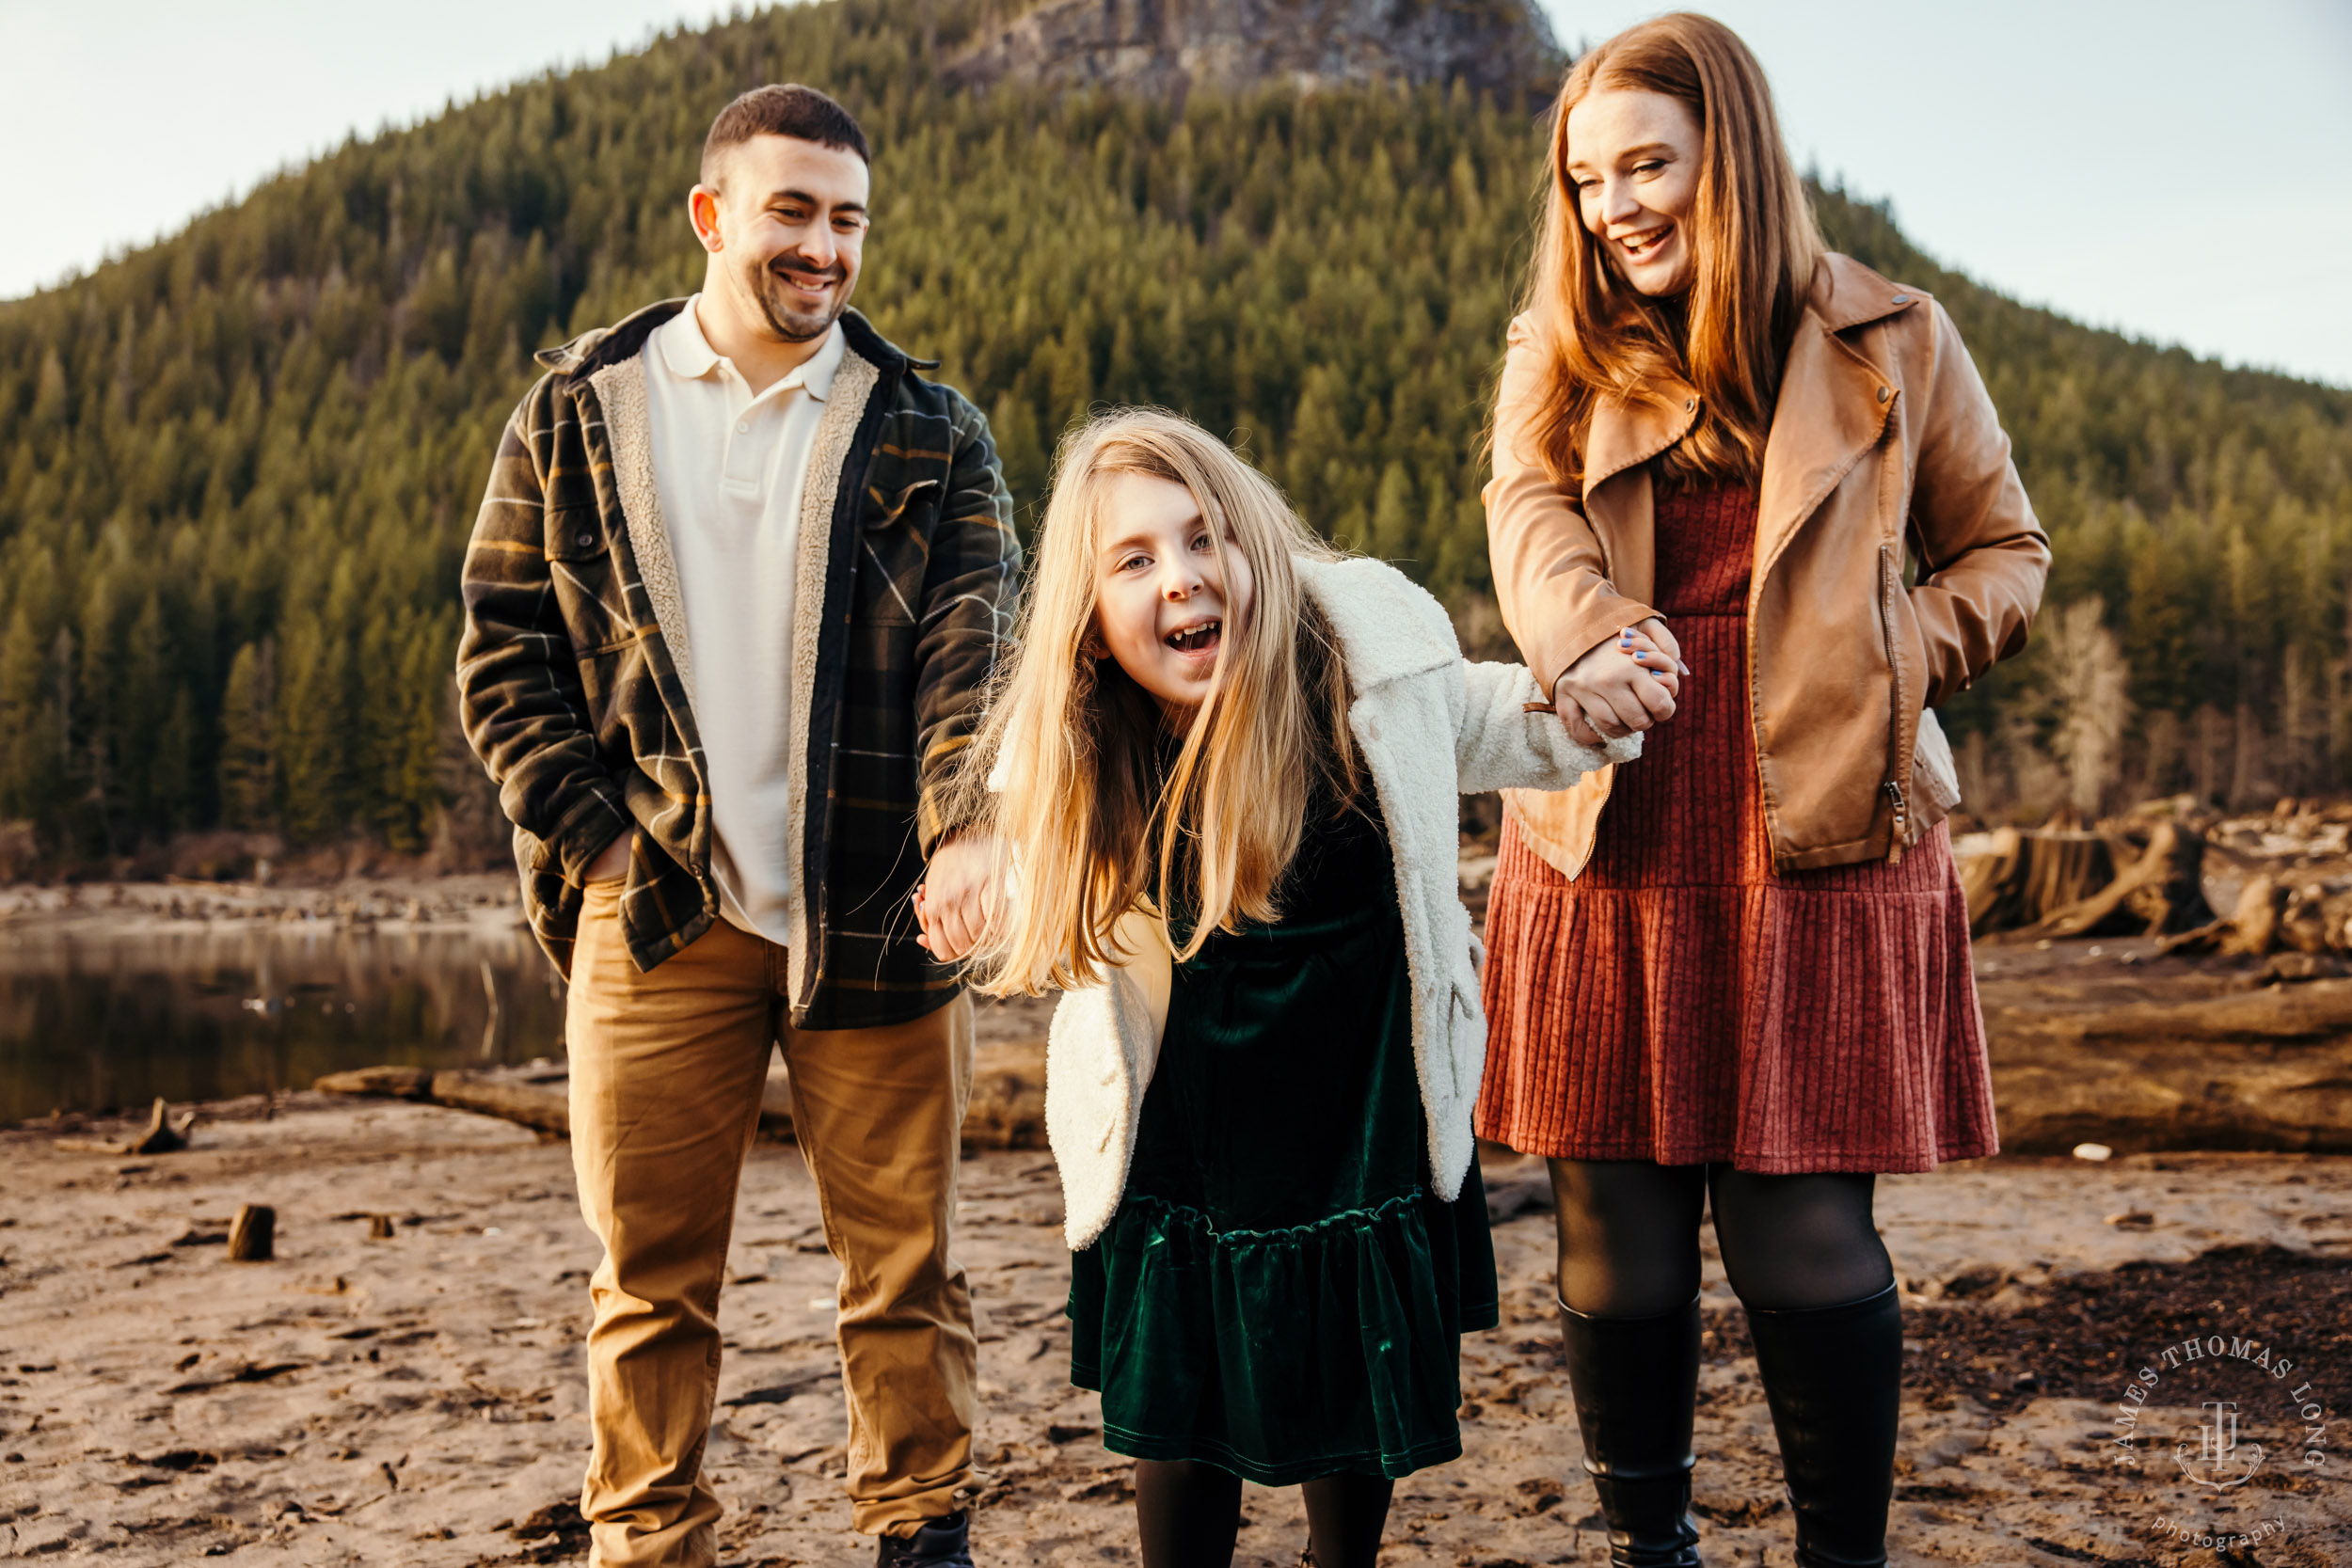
(739, 472)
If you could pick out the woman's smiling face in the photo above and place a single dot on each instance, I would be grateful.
(1633, 161)
(1162, 606)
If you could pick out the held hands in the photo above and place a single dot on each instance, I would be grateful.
(1626, 685)
(956, 898)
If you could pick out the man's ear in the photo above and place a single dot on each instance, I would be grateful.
(702, 211)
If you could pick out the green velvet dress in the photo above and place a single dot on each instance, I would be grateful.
(1280, 1292)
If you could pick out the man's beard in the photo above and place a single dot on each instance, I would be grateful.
(795, 327)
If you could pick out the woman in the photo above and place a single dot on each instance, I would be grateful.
(1739, 968)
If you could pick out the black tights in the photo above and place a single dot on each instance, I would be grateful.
(1629, 1236)
(1188, 1512)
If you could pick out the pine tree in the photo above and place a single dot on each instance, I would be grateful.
(249, 740)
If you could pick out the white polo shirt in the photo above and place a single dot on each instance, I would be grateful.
(729, 468)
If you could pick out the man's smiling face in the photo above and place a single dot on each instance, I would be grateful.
(784, 221)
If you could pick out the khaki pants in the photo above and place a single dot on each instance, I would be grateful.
(666, 1073)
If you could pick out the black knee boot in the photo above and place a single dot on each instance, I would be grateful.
(1636, 1383)
(1834, 1377)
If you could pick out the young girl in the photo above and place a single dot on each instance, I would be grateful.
(1225, 763)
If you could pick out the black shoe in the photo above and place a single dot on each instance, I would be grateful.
(942, 1543)
(1636, 1385)
(1834, 1377)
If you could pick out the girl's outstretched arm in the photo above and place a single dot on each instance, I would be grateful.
(1507, 737)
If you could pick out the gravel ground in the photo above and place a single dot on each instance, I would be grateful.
(418, 1399)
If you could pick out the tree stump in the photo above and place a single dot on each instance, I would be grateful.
(2255, 923)
(165, 1133)
(2250, 931)
(2027, 874)
(2336, 916)
(2168, 891)
(1988, 881)
(2303, 925)
(2160, 891)
(253, 1234)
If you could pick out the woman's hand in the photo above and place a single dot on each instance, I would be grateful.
(956, 897)
(1622, 686)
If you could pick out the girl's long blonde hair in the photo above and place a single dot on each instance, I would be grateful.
(1754, 247)
(1068, 768)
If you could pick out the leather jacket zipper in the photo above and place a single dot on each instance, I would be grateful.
(1894, 788)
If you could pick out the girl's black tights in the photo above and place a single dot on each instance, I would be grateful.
(1188, 1512)
(1629, 1236)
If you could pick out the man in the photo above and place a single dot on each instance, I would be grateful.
(737, 583)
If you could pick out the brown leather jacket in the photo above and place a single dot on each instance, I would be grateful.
(1884, 438)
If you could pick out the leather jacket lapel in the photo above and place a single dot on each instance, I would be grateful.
(1833, 407)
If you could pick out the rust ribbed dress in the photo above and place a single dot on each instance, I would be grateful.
(1679, 1001)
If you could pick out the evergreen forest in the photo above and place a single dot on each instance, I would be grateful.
(238, 467)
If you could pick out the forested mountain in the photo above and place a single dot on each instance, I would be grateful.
(237, 467)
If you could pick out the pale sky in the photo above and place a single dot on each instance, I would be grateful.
(2181, 171)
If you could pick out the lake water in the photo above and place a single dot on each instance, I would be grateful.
(107, 1023)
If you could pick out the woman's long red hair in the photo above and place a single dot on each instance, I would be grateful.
(1754, 246)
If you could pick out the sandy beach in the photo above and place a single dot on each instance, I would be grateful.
(418, 1399)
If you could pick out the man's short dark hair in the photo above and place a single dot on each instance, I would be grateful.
(781, 109)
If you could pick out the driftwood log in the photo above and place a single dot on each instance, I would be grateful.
(519, 1100)
(382, 1082)
(165, 1134)
(1007, 1109)
(2263, 1070)
(2160, 890)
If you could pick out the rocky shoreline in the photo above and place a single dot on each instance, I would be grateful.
(484, 902)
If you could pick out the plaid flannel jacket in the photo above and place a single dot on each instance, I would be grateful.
(574, 674)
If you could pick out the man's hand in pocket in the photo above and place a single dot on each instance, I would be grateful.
(611, 863)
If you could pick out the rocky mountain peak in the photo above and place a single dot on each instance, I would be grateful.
(1504, 48)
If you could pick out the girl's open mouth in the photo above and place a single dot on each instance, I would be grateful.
(1195, 640)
